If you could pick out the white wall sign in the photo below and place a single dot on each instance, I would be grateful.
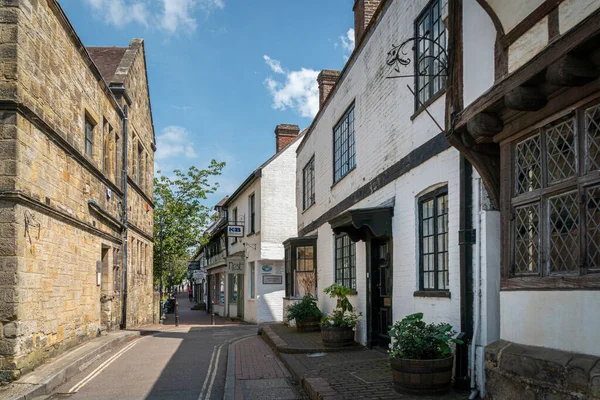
(235, 231)
(272, 279)
(235, 266)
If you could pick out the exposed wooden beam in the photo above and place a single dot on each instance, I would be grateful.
(554, 51)
(485, 124)
(525, 98)
(571, 70)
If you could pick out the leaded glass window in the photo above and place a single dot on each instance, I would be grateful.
(430, 73)
(344, 148)
(308, 184)
(345, 261)
(433, 240)
(556, 206)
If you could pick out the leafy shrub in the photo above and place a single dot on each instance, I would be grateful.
(343, 315)
(416, 340)
(305, 310)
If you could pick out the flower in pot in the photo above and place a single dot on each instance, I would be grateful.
(421, 355)
(305, 313)
(337, 328)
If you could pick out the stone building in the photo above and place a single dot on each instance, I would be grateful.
(63, 135)
(524, 102)
(385, 204)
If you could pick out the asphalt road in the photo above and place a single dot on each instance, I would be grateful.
(188, 362)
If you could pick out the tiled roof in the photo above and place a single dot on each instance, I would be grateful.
(107, 59)
(220, 204)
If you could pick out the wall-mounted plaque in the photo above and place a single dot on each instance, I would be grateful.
(272, 279)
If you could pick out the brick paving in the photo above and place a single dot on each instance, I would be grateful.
(259, 374)
(348, 374)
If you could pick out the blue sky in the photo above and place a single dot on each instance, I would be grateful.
(224, 73)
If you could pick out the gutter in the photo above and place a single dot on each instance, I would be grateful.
(125, 222)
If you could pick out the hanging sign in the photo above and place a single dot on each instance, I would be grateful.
(235, 230)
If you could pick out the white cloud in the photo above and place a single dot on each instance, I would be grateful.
(275, 65)
(348, 41)
(170, 16)
(298, 92)
(174, 143)
(121, 12)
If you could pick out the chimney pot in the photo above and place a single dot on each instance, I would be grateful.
(363, 12)
(284, 135)
(326, 80)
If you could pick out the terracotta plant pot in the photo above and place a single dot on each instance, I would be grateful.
(334, 336)
(427, 377)
(311, 325)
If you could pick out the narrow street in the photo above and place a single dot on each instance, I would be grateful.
(185, 362)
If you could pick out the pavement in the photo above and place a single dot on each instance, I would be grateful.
(154, 361)
(346, 373)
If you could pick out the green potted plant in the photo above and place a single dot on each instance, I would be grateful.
(338, 327)
(305, 313)
(421, 355)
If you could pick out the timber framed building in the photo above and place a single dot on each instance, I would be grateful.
(526, 112)
(76, 178)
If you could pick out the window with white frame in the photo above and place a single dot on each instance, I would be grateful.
(308, 184)
(252, 280)
(344, 146)
(556, 198)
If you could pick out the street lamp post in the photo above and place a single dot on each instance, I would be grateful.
(160, 290)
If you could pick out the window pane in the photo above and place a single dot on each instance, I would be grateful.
(564, 233)
(562, 146)
(592, 129)
(527, 239)
(528, 165)
(593, 228)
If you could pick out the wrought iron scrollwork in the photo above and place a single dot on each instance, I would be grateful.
(399, 56)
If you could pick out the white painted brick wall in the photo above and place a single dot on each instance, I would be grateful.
(275, 210)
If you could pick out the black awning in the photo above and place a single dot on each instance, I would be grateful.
(362, 222)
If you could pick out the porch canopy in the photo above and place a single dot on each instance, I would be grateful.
(362, 223)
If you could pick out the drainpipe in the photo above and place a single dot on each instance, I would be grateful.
(466, 240)
(477, 290)
(125, 222)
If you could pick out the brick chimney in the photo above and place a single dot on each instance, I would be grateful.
(285, 134)
(363, 12)
(326, 79)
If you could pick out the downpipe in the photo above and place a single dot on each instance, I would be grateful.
(476, 289)
(125, 219)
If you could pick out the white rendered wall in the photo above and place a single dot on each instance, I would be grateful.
(572, 12)
(564, 320)
(479, 38)
(511, 12)
(275, 221)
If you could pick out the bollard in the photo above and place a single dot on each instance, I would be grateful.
(212, 313)
(176, 313)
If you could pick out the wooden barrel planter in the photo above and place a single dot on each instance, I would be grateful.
(335, 336)
(426, 377)
(311, 325)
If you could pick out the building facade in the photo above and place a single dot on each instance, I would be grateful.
(526, 113)
(62, 187)
(385, 205)
(264, 206)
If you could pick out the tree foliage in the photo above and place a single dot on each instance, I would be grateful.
(181, 216)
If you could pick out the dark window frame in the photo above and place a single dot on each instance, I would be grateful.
(344, 145)
(345, 254)
(291, 263)
(584, 180)
(431, 94)
(434, 195)
(308, 184)
(89, 137)
(252, 211)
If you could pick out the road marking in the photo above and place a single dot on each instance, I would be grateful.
(212, 380)
(210, 365)
(103, 366)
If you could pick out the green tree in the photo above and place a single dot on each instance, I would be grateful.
(180, 218)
